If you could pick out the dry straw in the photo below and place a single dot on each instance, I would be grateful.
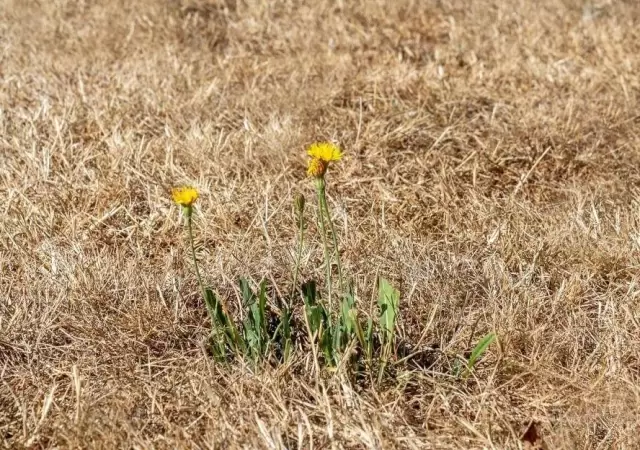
(491, 172)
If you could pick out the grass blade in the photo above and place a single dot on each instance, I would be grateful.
(477, 352)
(388, 300)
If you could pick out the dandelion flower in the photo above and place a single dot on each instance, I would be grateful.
(325, 151)
(317, 168)
(184, 196)
(322, 153)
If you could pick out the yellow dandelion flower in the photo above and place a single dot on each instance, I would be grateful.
(317, 168)
(322, 153)
(325, 151)
(184, 195)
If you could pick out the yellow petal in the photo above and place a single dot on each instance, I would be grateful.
(184, 195)
(325, 151)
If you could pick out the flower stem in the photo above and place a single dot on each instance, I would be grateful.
(299, 252)
(188, 211)
(334, 238)
(320, 187)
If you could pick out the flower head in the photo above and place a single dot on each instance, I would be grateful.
(325, 151)
(322, 153)
(316, 168)
(184, 195)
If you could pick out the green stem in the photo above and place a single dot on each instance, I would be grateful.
(323, 231)
(188, 213)
(333, 235)
(299, 253)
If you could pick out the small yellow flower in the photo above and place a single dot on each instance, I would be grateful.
(184, 195)
(325, 151)
(322, 153)
(316, 168)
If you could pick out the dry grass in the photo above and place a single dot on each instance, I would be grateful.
(492, 174)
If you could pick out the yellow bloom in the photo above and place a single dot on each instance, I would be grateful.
(184, 195)
(325, 151)
(317, 168)
(322, 153)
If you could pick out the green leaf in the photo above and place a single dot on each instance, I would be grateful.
(262, 305)
(479, 350)
(318, 318)
(213, 306)
(312, 309)
(251, 338)
(223, 331)
(345, 328)
(255, 324)
(248, 297)
(316, 315)
(326, 343)
(348, 314)
(309, 292)
(388, 300)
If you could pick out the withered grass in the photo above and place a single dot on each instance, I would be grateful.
(491, 173)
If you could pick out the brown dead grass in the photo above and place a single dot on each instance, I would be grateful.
(492, 174)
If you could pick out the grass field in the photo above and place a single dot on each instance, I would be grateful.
(491, 173)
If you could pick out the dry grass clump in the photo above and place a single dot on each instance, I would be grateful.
(491, 172)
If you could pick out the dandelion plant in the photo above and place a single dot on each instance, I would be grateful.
(323, 153)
